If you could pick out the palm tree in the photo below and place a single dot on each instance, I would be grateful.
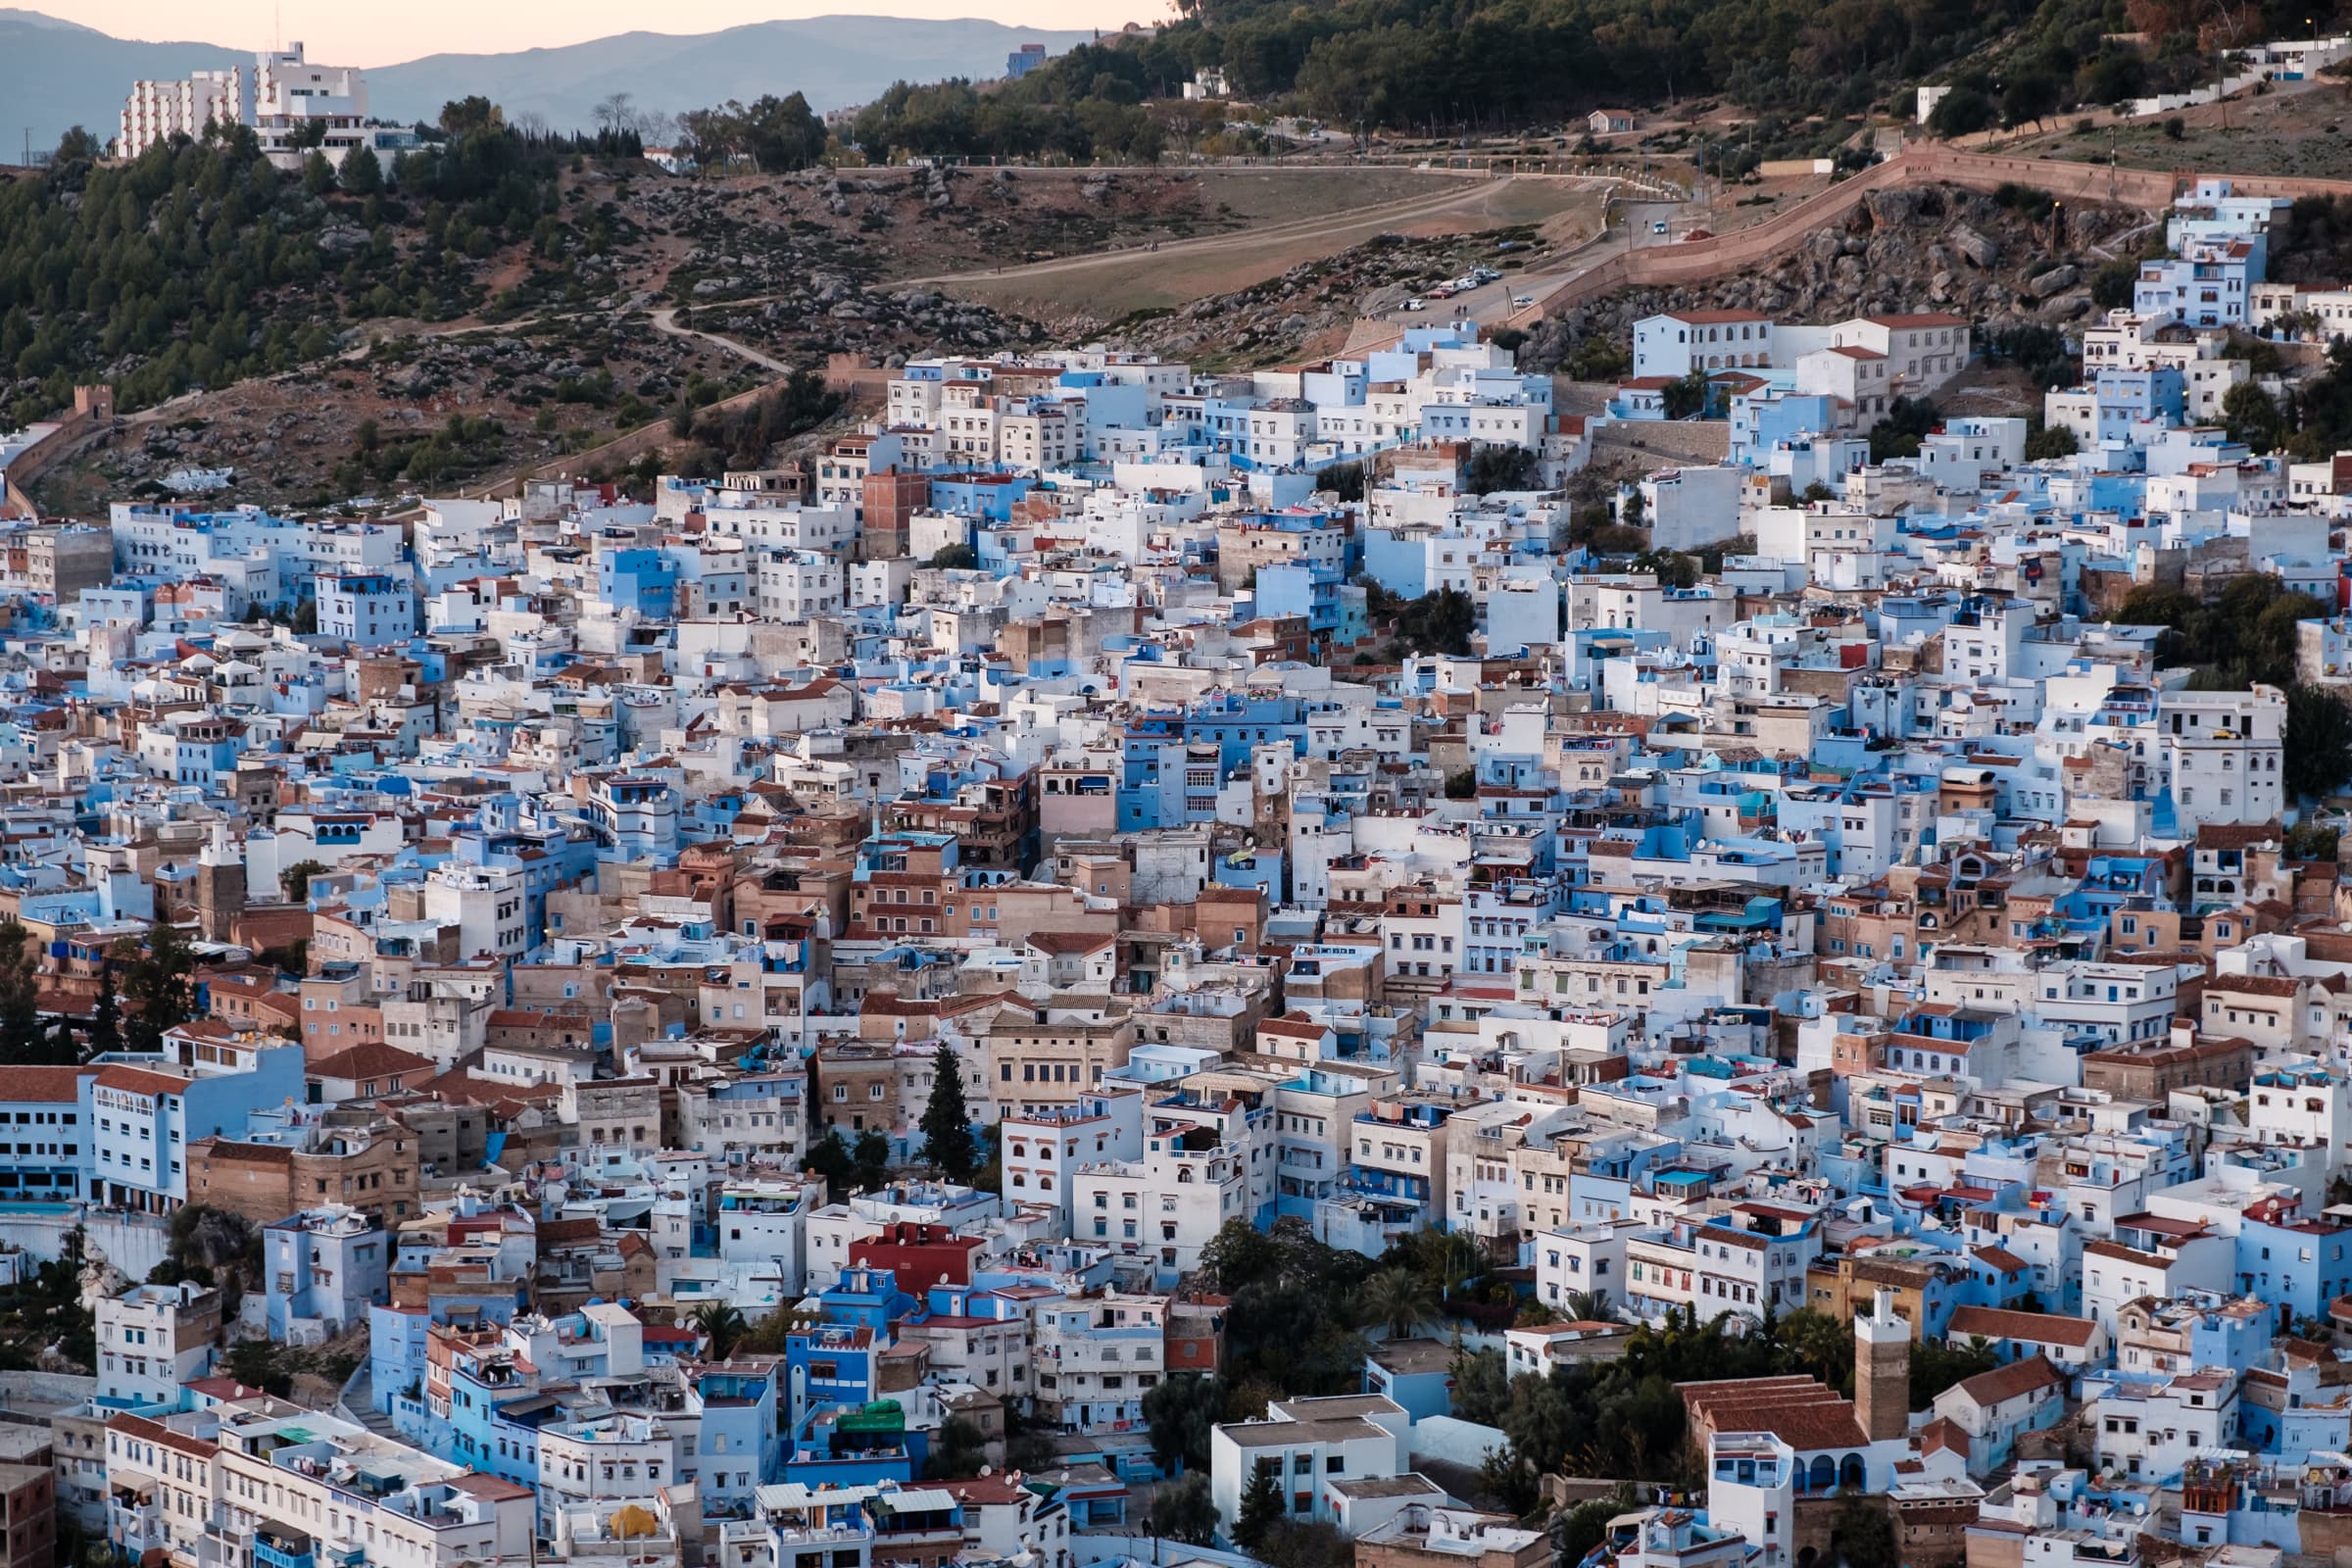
(1399, 1299)
(721, 1323)
(1588, 1306)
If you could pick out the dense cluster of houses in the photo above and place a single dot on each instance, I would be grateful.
(1261, 818)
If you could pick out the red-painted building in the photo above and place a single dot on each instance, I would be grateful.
(920, 1256)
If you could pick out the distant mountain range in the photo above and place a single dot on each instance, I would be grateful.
(55, 74)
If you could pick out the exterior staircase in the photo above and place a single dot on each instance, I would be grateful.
(358, 1403)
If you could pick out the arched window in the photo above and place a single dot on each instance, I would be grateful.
(1850, 1474)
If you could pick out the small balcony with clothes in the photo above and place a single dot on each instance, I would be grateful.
(134, 1520)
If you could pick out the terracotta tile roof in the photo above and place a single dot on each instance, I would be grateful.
(1941, 1433)
(59, 1086)
(247, 1153)
(2040, 1328)
(139, 1081)
(373, 1058)
(491, 1488)
(2254, 985)
(567, 1232)
(138, 1426)
(1800, 1411)
(1060, 942)
(2012, 1382)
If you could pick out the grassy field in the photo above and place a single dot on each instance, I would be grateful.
(1180, 274)
(2296, 132)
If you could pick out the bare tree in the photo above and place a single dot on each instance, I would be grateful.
(658, 127)
(617, 114)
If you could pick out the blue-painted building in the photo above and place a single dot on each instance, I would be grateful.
(990, 496)
(638, 579)
(1418, 1374)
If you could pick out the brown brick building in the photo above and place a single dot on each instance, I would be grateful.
(28, 1515)
(373, 1169)
(2153, 1068)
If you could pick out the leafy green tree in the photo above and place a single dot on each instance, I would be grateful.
(1306, 1543)
(1817, 1342)
(1936, 1365)
(363, 172)
(1439, 622)
(156, 981)
(460, 116)
(785, 133)
(1576, 1531)
(1671, 568)
(2111, 282)
(2041, 352)
(1961, 112)
(959, 1450)
(1481, 1384)
(828, 1155)
(1262, 1507)
(871, 1151)
(722, 1324)
(1898, 434)
(1862, 1533)
(2251, 415)
(2317, 745)
(105, 1023)
(1493, 468)
(1399, 1300)
(1597, 358)
(955, 557)
(1183, 1511)
(297, 879)
(1240, 1254)
(1179, 1412)
(2310, 840)
(2032, 95)
(1344, 482)
(1688, 395)
(947, 1121)
(1508, 1480)
(2050, 441)
(261, 1364)
(23, 1040)
(1588, 1306)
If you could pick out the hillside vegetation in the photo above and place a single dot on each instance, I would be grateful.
(199, 264)
(1439, 68)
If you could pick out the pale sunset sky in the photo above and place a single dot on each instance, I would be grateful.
(344, 34)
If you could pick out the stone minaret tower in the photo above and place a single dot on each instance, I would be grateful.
(220, 884)
(1882, 1371)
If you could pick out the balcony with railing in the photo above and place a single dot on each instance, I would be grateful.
(134, 1523)
(275, 1546)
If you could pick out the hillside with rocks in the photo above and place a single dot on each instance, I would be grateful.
(1998, 259)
